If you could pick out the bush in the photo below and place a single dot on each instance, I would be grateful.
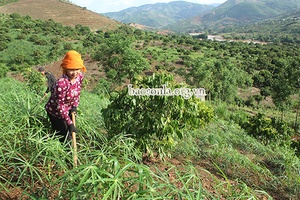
(268, 130)
(296, 146)
(35, 81)
(3, 70)
(3, 45)
(155, 122)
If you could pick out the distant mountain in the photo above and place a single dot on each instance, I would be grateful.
(287, 24)
(160, 14)
(236, 12)
(249, 10)
(60, 11)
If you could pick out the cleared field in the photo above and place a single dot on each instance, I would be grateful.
(62, 12)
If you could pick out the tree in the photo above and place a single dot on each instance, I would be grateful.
(258, 98)
(283, 85)
(268, 130)
(219, 77)
(154, 121)
(119, 59)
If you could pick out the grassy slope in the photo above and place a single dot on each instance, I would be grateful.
(226, 162)
(65, 13)
(4, 2)
(229, 163)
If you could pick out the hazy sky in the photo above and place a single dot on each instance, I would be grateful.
(103, 6)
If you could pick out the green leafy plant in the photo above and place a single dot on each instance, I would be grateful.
(268, 130)
(156, 122)
(35, 81)
(120, 60)
(3, 70)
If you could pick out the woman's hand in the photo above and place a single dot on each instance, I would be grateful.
(73, 110)
(72, 128)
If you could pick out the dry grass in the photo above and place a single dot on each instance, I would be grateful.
(61, 12)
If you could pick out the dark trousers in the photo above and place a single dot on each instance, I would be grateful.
(60, 128)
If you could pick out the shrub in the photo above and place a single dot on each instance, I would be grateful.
(34, 38)
(35, 81)
(296, 146)
(3, 45)
(20, 58)
(155, 122)
(3, 70)
(268, 130)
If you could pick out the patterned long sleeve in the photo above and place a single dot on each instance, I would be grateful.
(64, 97)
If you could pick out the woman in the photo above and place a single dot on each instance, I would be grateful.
(65, 98)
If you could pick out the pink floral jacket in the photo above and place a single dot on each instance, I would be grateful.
(64, 97)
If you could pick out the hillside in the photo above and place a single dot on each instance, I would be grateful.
(251, 10)
(239, 12)
(285, 26)
(159, 14)
(219, 162)
(61, 12)
(235, 145)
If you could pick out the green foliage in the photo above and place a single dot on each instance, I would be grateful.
(238, 156)
(204, 72)
(119, 59)
(282, 29)
(103, 88)
(35, 163)
(26, 42)
(35, 81)
(164, 55)
(155, 122)
(3, 70)
(268, 130)
(4, 2)
(32, 156)
(295, 144)
(250, 101)
(3, 45)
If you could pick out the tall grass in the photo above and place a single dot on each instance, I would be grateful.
(218, 162)
(236, 156)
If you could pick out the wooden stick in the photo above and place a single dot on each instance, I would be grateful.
(74, 142)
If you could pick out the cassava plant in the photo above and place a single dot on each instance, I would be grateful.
(156, 122)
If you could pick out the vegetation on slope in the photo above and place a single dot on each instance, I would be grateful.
(60, 11)
(4, 2)
(284, 29)
(160, 14)
(219, 160)
(236, 13)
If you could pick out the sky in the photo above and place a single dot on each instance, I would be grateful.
(104, 6)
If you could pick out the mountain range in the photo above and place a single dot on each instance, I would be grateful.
(176, 16)
(181, 16)
(160, 14)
